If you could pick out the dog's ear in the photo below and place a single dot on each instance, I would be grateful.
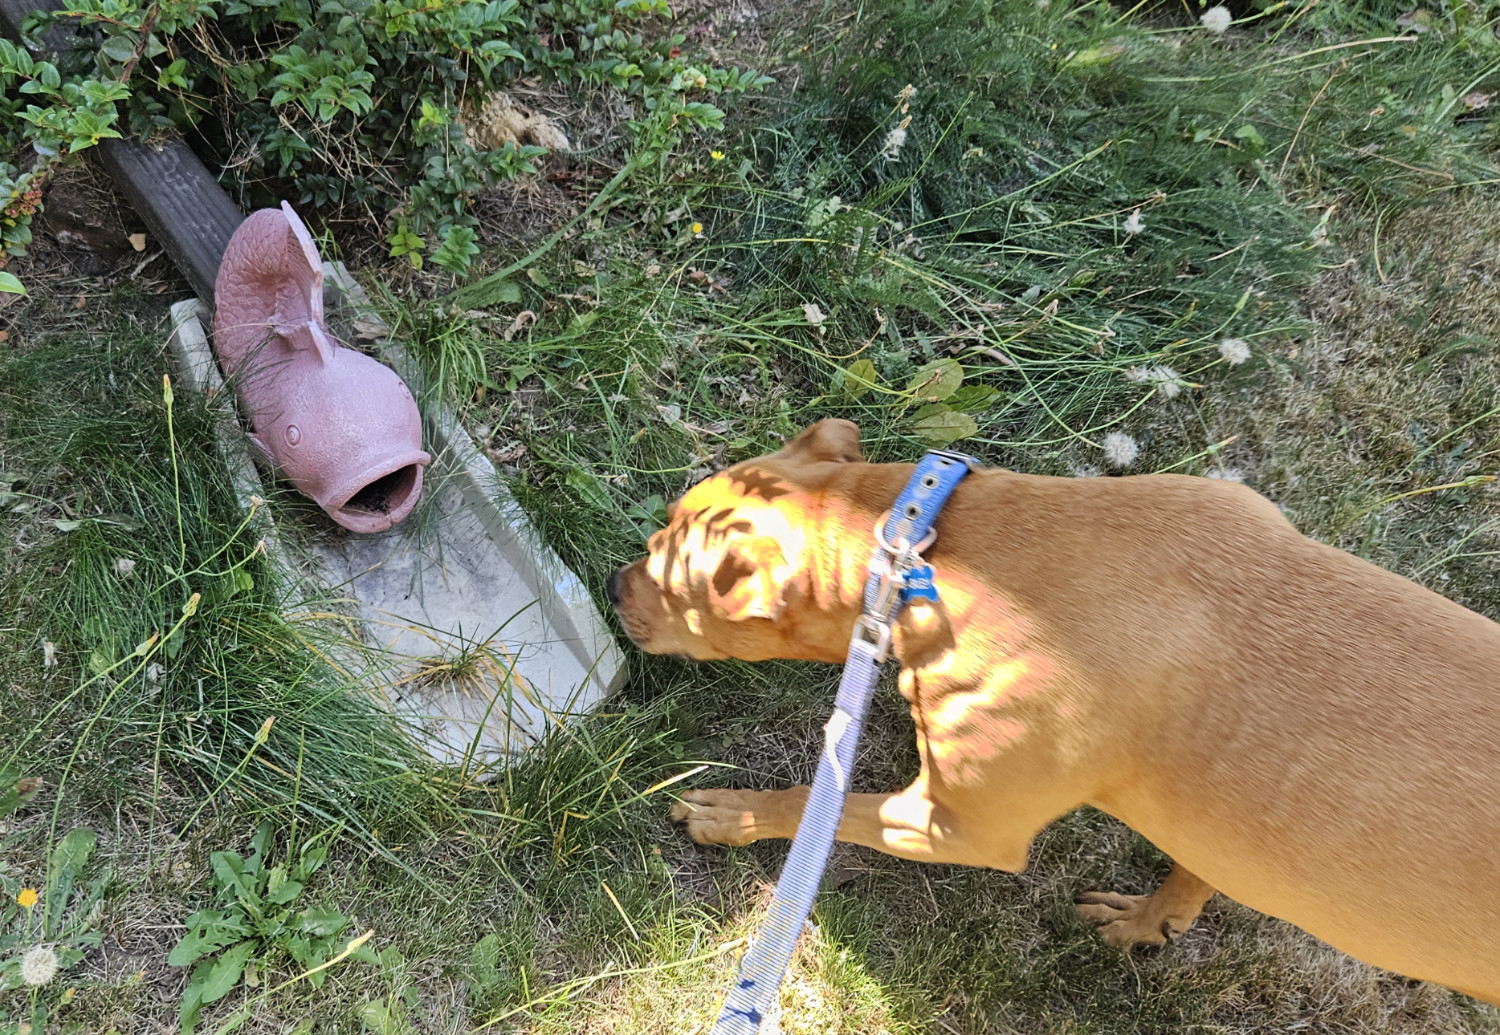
(750, 581)
(828, 440)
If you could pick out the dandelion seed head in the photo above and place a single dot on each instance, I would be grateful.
(1216, 20)
(1234, 350)
(38, 965)
(895, 140)
(1086, 471)
(124, 566)
(1166, 380)
(1120, 450)
(1134, 223)
(1226, 474)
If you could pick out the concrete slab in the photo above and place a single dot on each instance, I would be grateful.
(460, 619)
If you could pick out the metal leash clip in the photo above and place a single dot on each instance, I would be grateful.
(904, 576)
(876, 632)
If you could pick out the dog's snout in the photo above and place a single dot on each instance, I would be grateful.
(612, 589)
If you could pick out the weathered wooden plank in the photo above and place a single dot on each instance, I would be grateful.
(182, 205)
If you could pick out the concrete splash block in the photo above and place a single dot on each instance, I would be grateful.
(460, 620)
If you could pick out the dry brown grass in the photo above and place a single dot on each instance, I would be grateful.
(1395, 389)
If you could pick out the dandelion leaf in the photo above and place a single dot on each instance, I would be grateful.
(859, 378)
(973, 398)
(936, 381)
(68, 860)
(945, 427)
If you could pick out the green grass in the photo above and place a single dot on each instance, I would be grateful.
(144, 521)
(557, 898)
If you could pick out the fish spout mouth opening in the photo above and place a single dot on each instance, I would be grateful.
(382, 502)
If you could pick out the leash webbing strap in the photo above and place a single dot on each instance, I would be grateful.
(894, 566)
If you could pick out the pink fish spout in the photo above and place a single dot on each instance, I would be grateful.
(341, 427)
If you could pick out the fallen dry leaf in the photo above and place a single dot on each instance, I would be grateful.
(505, 456)
(524, 317)
(703, 279)
(370, 330)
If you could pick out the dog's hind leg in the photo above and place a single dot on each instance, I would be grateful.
(1126, 921)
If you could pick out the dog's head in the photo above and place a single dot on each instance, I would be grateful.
(730, 575)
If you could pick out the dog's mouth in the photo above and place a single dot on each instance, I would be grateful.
(630, 630)
(644, 633)
(613, 591)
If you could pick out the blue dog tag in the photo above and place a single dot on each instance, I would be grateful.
(919, 585)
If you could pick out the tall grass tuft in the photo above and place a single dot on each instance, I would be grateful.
(128, 516)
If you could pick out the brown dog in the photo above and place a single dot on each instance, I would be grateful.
(1310, 734)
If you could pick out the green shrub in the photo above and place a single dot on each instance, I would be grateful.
(343, 105)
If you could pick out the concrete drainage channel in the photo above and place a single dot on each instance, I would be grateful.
(467, 624)
(459, 619)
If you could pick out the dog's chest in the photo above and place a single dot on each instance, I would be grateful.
(971, 711)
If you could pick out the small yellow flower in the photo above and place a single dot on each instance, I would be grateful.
(697, 228)
(27, 898)
(717, 156)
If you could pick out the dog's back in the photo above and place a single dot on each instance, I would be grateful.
(1311, 734)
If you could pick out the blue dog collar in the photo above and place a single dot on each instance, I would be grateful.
(898, 575)
(912, 515)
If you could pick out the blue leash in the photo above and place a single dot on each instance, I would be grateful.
(897, 575)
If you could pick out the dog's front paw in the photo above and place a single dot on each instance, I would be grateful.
(725, 817)
(1128, 921)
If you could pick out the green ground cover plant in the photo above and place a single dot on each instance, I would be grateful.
(372, 108)
(1021, 227)
(256, 914)
(1021, 251)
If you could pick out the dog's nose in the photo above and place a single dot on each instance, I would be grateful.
(612, 589)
